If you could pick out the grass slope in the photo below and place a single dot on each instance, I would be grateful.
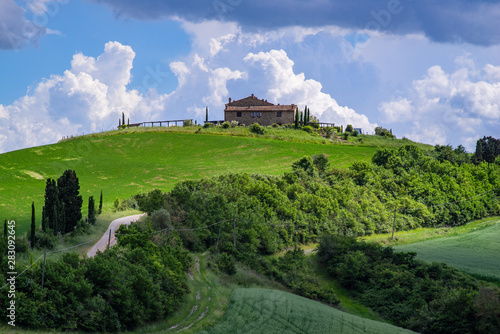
(125, 163)
(257, 310)
(475, 252)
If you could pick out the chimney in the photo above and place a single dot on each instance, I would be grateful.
(253, 95)
(229, 100)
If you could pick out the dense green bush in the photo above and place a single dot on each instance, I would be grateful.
(226, 125)
(348, 128)
(257, 128)
(150, 202)
(308, 129)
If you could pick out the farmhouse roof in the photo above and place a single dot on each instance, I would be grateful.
(252, 103)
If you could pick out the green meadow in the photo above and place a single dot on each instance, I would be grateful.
(255, 310)
(476, 252)
(123, 163)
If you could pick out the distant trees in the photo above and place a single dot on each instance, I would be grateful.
(380, 131)
(457, 155)
(487, 149)
(63, 203)
(348, 128)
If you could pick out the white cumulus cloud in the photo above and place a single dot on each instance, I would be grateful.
(441, 106)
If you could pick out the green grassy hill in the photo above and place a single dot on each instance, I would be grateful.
(475, 252)
(123, 163)
(271, 311)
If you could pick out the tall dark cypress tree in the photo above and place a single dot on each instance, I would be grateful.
(44, 219)
(32, 238)
(91, 211)
(123, 118)
(51, 201)
(297, 118)
(301, 118)
(100, 204)
(206, 114)
(69, 194)
(55, 222)
(305, 116)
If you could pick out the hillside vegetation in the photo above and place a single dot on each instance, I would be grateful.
(123, 163)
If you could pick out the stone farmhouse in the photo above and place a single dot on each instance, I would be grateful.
(253, 110)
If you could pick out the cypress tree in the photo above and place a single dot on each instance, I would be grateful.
(305, 115)
(51, 201)
(301, 118)
(206, 114)
(55, 223)
(100, 204)
(68, 190)
(297, 118)
(91, 211)
(123, 118)
(44, 219)
(62, 218)
(32, 239)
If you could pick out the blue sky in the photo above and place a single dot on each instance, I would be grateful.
(428, 70)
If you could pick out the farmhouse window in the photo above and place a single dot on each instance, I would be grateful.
(259, 114)
(278, 114)
(238, 114)
(252, 114)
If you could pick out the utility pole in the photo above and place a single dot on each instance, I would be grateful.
(43, 272)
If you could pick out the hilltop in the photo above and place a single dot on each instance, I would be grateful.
(126, 162)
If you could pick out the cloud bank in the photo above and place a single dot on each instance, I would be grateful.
(443, 21)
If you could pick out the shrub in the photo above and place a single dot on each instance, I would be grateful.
(129, 203)
(346, 135)
(207, 125)
(188, 122)
(160, 219)
(308, 129)
(46, 239)
(226, 264)
(226, 125)
(257, 128)
(348, 128)
(355, 133)
(150, 202)
(314, 124)
(275, 125)
(234, 123)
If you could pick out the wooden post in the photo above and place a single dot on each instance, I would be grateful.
(109, 239)
(43, 272)
(393, 224)
(218, 237)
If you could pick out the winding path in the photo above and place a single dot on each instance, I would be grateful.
(102, 244)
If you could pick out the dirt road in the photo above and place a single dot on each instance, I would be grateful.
(102, 244)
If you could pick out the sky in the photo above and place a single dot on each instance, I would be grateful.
(428, 70)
